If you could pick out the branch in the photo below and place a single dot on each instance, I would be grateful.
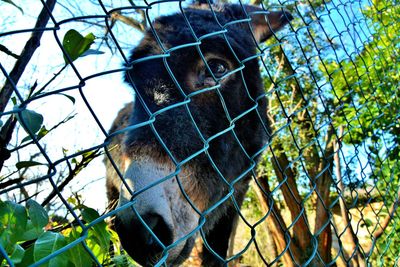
(323, 183)
(141, 12)
(86, 159)
(128, 21)
(8, 52)
(38, 138)
(5, 137)
(30, 47)
(51, 80)
(10, 182)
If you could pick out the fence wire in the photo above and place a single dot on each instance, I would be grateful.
(324, 191)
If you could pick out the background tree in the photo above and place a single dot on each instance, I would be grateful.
(372, 103)
(330, 94)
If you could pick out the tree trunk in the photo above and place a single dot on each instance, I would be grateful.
(30, 47)
(288, 186)
(323, 182)
(276, 224)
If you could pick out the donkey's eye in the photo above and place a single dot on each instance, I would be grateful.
(218, 67)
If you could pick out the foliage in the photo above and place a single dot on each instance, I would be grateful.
(27, 235)
(77, 45)
(367, 87)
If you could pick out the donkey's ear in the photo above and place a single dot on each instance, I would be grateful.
(265, 23)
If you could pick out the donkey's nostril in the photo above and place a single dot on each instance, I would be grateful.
(158, 226)
(139, 242)
(151, 241)
(152, 220)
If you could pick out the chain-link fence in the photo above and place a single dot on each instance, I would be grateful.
(261, 133)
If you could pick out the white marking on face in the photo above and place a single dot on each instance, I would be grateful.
(160, 98)
(164, 199)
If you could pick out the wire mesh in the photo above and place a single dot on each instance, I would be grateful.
(324, 187)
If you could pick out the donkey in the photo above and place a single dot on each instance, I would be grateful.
(195, 131)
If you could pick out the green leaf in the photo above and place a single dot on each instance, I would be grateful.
(72, 200)
(120, 260)
(98, 232)
(26, 139)
(18, 254)
(31, 232)
(72, 99)
(12, 3)
(13, 221)
(37, 214)
(89, 214)
(27, 260)
(33, 120)
(42, 132)
(76, 45)
(48, 243)
(78, 255)
(27, 164)
(368, 222)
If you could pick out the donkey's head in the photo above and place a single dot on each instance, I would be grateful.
(197, 126)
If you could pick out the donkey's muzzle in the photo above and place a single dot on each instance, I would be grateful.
(144, 242)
